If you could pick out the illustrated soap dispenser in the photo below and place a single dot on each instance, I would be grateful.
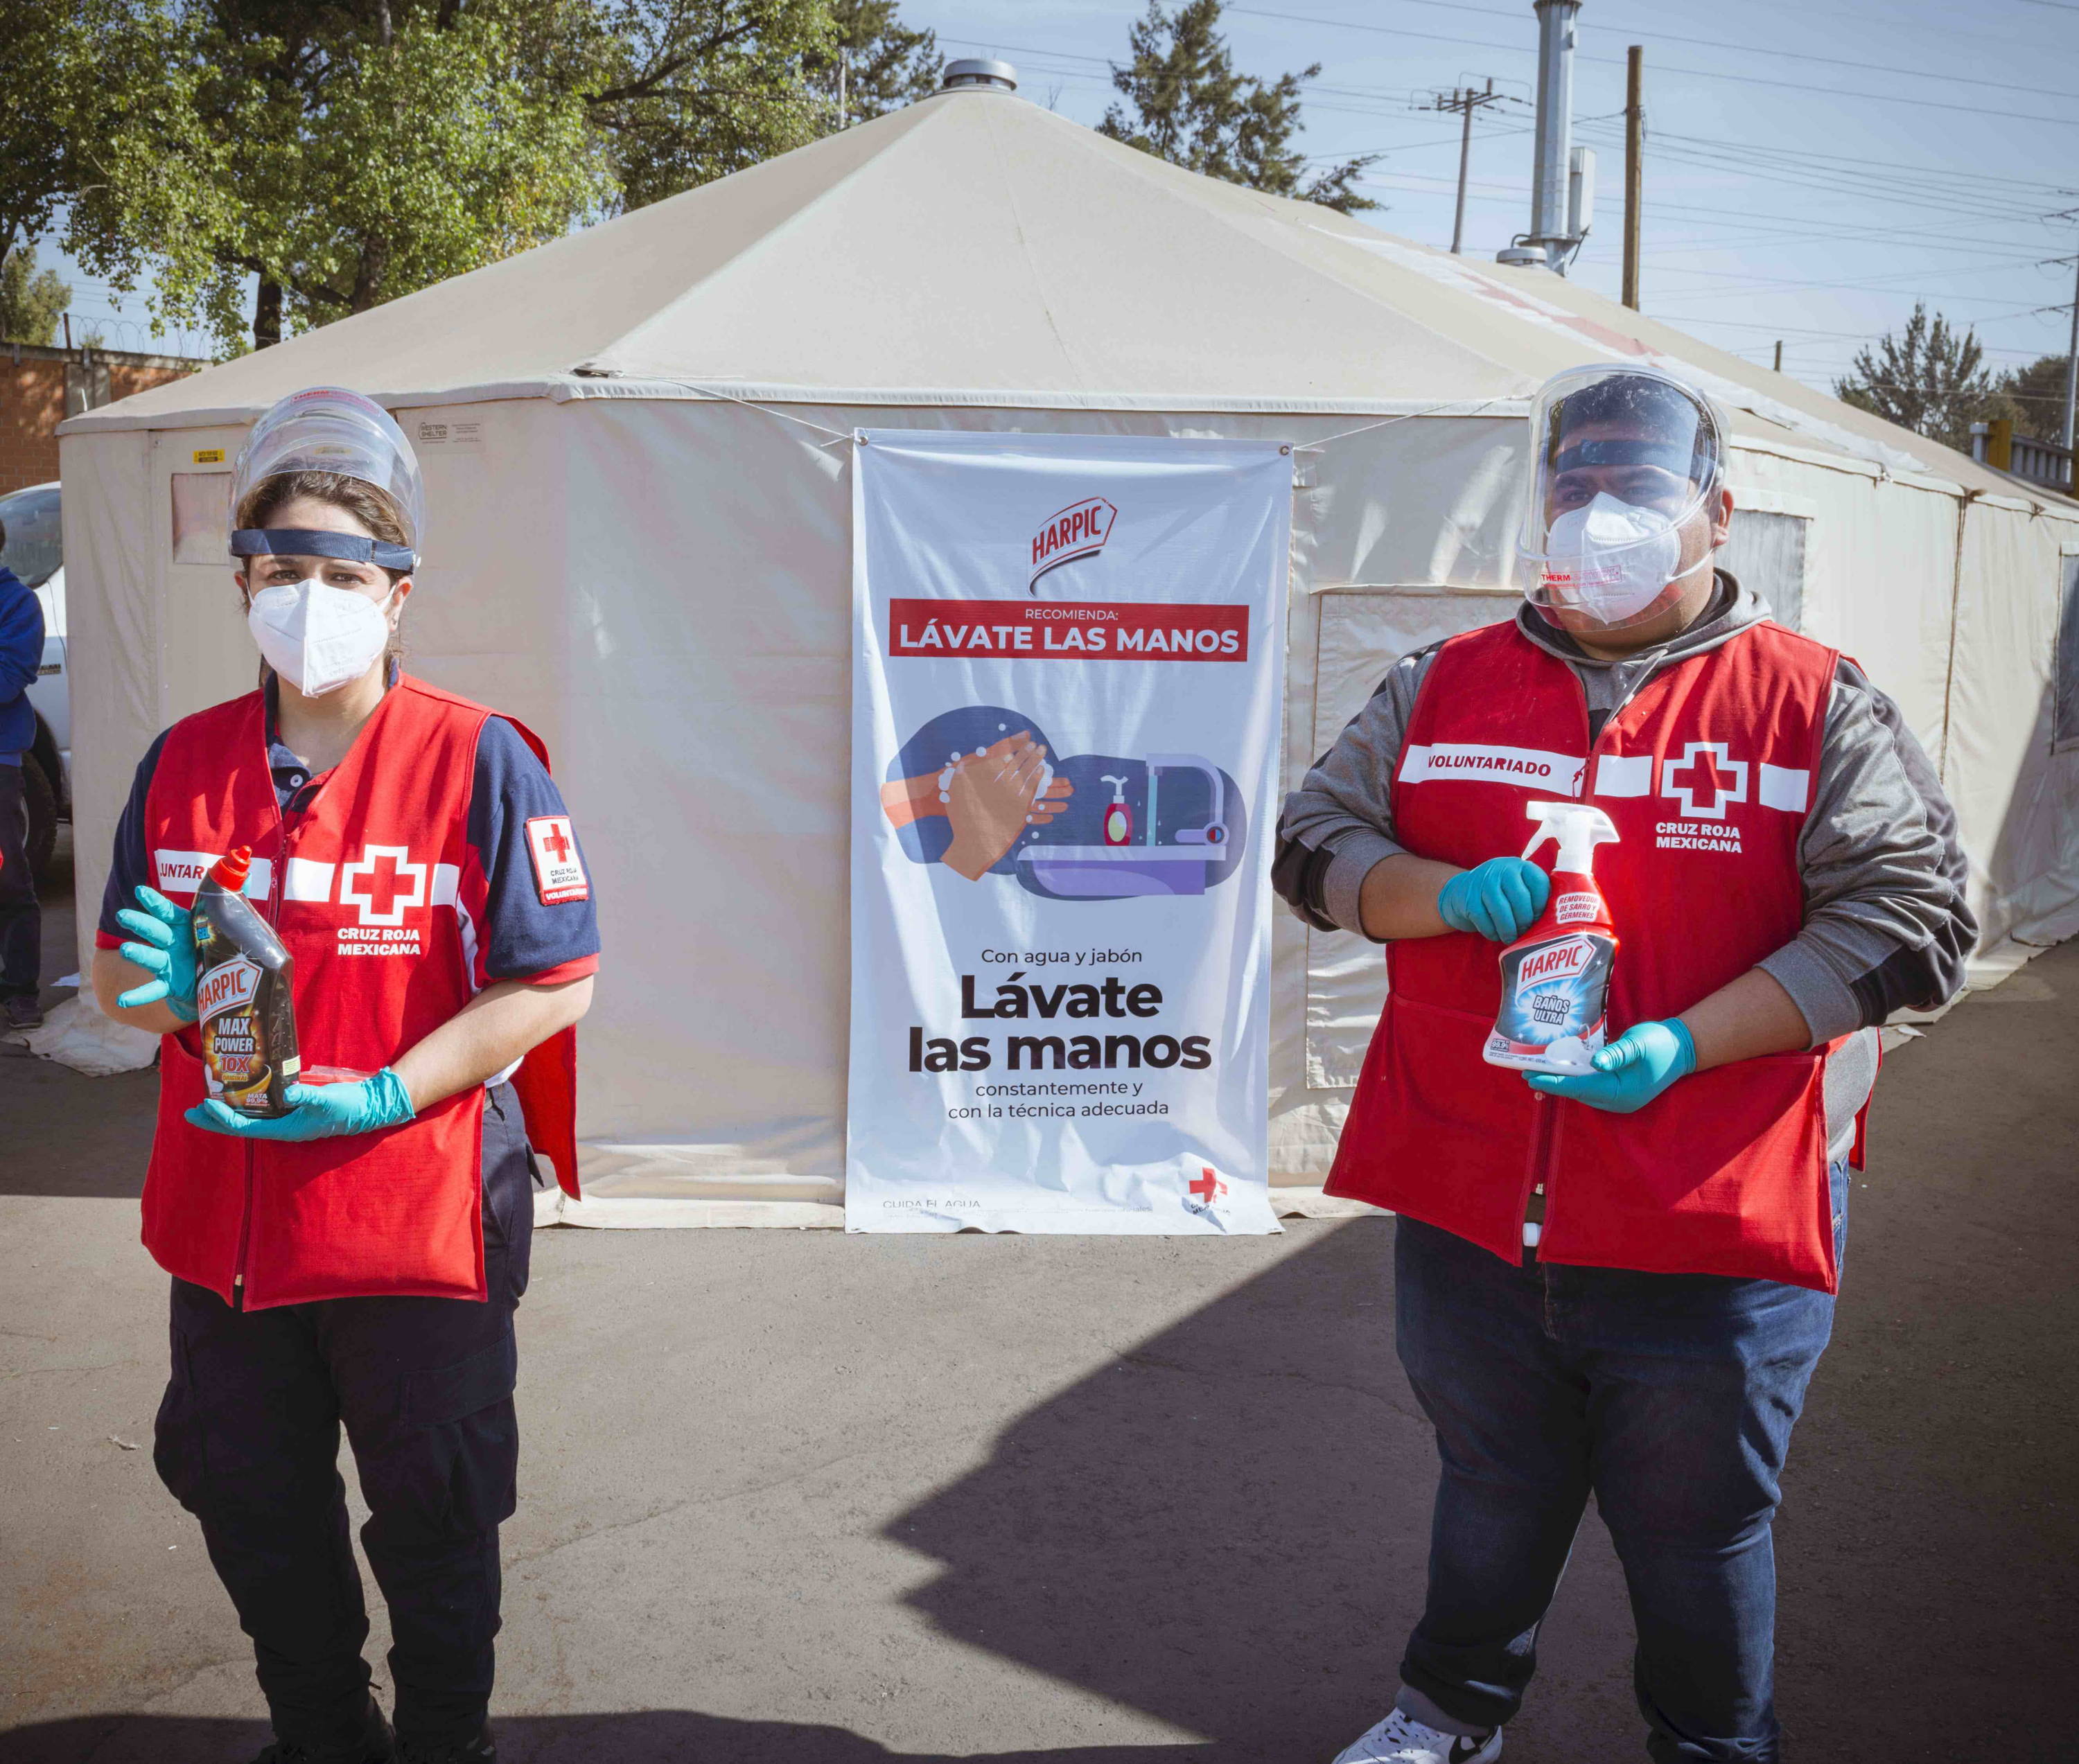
(1118, 814)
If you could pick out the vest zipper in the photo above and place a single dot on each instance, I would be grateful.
(278, 881)
(1545, 1118)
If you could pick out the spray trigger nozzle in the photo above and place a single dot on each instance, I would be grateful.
(1579, 827)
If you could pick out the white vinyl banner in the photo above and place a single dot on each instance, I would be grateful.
(1068, 658)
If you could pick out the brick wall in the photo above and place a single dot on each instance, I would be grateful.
(32, 407)
(33, 384)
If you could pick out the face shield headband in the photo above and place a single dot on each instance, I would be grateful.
(1697, 465)
(301, 542)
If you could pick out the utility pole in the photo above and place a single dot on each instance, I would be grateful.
(2072, 379)
(1634, 167)
(1779, 355)
(1464, 99)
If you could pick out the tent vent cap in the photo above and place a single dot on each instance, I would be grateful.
(962, 76)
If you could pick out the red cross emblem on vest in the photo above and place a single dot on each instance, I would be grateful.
(384, 883)
(1714, 780)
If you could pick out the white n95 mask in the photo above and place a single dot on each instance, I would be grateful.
(1621, 559)
(317, 638)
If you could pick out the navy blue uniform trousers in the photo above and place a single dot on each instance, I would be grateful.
(1669, 1396)
(248, 1441)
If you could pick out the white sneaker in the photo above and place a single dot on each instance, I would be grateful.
(1401, 1739)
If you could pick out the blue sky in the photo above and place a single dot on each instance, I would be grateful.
(1927, 188)
(1812, 169)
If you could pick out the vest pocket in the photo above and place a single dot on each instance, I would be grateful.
(1725, 1173)
(1434, 1131)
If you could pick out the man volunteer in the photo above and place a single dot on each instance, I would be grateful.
(1620, 1282)
(358, 1259)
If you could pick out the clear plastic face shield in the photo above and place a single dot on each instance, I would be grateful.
(321, 602)
(329, 428)
(1626, 471)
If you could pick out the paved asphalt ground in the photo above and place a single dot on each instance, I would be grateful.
(794, 1496)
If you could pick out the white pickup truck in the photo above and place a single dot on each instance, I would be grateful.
(35, 553)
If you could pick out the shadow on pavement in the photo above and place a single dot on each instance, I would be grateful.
(1226, 1527)
(646, 1737)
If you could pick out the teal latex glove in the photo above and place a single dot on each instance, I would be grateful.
(167, 954)
(1644, 1060)
(1500, 899)
(318, 1111)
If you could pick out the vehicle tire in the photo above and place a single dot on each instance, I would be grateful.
(42, 806)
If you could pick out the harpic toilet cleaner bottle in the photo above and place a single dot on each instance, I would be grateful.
(243, 977)
(1556, 978)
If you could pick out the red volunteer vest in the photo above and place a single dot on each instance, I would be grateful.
(1707, 774)
(377, 893)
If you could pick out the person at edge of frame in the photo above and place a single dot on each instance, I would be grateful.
(1620, 1281)
(21, 916)
(358, 1259)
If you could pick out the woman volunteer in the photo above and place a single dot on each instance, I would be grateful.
(358, 1259)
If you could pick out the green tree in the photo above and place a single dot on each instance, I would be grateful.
(2036, 396)
(686, 91)
(1185, 102)
(877, 63)
(330, 156)
(1929, 378)
(31, 300)
(45, 41)
(335, 157)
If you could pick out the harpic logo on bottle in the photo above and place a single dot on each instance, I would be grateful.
(1555, 961)
(1079, 530)
(231, 986)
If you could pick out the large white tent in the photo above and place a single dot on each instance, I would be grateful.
(639, 542)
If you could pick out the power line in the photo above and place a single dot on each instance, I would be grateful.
(1693, 74)
(1713, 42)
(1862, 186)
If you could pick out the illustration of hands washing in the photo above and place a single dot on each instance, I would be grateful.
(981, 790)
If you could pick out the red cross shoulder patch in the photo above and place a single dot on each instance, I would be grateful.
(558, 871)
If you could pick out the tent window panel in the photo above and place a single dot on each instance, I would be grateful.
(201, 517)
(2064, 717)
(1766, 552)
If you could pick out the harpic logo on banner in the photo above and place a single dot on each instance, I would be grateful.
(1079, 530)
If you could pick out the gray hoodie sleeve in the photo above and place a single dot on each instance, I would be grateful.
(1886, 923)
(1338, 822)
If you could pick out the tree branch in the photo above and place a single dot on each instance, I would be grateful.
(645, 86)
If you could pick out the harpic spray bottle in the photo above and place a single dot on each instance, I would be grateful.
(1556, 978)
(243, 980)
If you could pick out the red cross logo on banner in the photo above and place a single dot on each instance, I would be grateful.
(1717, 781)
(1208, 1187)
(393, 884)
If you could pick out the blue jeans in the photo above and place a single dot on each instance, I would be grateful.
(1671, 1398)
